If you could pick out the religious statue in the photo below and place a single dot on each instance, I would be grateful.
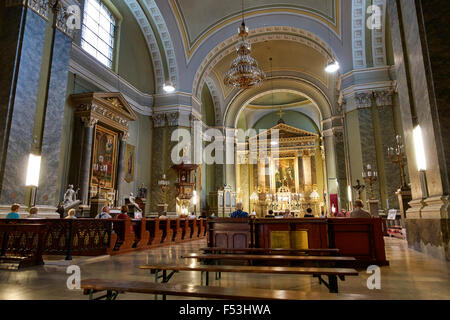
(359, 189)
(70, 196)
(142, 192)
(132, 200)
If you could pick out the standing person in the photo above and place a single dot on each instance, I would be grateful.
(60, 209)
(33, 213)
(358, 212)
(71, 214)
(14, 214)
(309, 213)
(239, 213)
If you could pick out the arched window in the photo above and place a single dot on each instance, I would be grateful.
(98, 31)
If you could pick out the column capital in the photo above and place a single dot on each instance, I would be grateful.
(89, 121)
(363, 99)
(159, 120)
(383, 97)
(172, 118)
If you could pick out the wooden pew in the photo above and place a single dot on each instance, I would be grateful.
(164, 225)
(194, 229)
(184, 225)
(332, 273)
(279, 259)
(205, 225)
(156, 234)
(201, 228)
(141, 233)
(283, 251)
(125, 237)
(177, 232)
(114, 287)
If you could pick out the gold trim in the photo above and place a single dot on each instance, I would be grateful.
(189, 51)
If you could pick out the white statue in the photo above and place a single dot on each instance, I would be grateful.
(132, 200)
(70, 196)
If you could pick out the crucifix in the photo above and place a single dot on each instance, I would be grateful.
(359, 188)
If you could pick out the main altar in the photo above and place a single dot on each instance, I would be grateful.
(288, 174)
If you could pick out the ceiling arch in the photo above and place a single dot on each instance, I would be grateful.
(164, 61)
(258, 35)
(195, 27)
(293, 85)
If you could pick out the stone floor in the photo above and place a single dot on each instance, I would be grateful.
(411, 275)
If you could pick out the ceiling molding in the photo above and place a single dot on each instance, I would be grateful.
(359, 34)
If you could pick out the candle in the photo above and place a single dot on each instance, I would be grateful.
(369, 167)
(369, 173)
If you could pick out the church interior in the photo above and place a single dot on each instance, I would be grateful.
(181, 115)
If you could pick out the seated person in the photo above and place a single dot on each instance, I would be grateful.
(239, 213)
(339, 214)
(253, 214)
(71, 214)
(192, 216)
(104, 214)
(33, 213)
(14, 214)
(287, 214)
(309, 213)
(203, 215)
(213, 215)
(123, 213)
(162, 216)
(358, 212)
(270, 215)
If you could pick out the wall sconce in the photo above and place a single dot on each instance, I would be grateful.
(33, 172)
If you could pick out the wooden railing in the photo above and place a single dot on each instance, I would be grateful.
(93, 237)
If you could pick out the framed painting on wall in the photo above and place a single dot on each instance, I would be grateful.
(104, 158)
(130, 154)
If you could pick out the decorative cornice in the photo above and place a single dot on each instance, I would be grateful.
(88, 121)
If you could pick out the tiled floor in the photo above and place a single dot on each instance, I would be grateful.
(411, 275)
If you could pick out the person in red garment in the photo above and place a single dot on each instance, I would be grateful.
(124, 215)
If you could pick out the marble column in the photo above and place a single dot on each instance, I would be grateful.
(85, 169)
(307, 174)
(21, 49)
(121, 168)
(158, 159)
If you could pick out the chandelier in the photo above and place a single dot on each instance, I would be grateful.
(244, 71)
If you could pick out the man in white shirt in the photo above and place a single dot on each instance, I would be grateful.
(104, 214)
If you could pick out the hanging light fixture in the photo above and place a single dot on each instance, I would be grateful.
(244, 72)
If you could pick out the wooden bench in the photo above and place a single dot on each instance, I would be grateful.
(115, 287)
(194, 229)
(317, 260)
(312, 252)
(331, 273)
(164, 225)
(201, 228)
(156, 234)
(125, 236)
(184, 225)
(177, 232)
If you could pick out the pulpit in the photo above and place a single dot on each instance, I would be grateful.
(185, 186)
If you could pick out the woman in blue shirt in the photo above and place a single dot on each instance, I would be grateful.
(14, 212)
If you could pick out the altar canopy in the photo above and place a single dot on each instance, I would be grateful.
(287, 170)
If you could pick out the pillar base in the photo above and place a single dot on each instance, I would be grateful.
(404, 197)
(373, 207)
(97, 205)
(162, 208)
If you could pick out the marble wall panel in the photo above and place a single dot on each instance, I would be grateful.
(22, 113)
(158, 167)
(49, 189)
(391, 170)
(369, 153)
